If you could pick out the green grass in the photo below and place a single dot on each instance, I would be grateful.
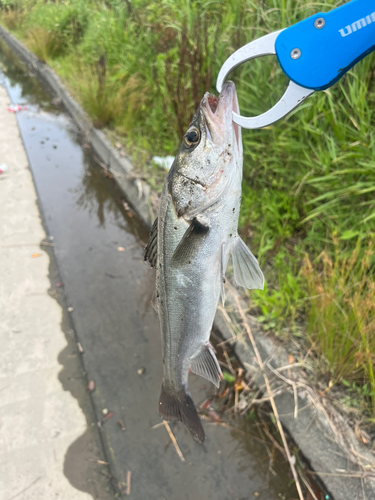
(140, 69)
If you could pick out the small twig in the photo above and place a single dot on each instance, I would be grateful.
(359, 475)
(290, 382)
(363, 489)
(225, 314)
(225, 342)
(311, 423)
(294, 365)
(125, 249)
(100, 462)
(260, 430)
(128, 482)
(235, 400)
(23, 491)
(230, 366)
(221, 363)
(251, 403)
(174, 441)
(273, 440)
(156, 426)
(272, 401)
(306, 483)
(260, 401)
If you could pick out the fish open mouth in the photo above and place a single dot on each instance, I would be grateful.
(213, 102)
(218, 112)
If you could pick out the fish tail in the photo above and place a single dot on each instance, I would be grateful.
(176, 404)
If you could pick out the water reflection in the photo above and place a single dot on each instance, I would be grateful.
(96, 192)
(29, 89)
(92, 197)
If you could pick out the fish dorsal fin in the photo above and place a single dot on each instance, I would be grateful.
(206, 365)
(191, 241)
(151, 251)
(247, 272)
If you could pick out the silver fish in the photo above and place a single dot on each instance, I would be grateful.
(190, 244)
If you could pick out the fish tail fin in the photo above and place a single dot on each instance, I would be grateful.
(178, 405)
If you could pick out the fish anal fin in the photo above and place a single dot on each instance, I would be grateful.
(247, 272)
(178, 405)
(151, 250)
(206, 365)
(191, 241)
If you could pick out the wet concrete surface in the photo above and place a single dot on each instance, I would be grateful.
(99, 254)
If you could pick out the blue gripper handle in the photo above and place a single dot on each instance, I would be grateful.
(319, 50)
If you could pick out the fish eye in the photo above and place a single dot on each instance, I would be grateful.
(192, 137)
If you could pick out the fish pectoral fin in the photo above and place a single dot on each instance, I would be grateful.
(206, 365)
(151, 250)
(191, 241)
(247, 272)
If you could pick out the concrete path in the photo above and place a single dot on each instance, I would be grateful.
(39, 418)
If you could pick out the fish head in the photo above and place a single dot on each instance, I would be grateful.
(210, 155)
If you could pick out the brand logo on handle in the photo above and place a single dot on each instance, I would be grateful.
(358, 25)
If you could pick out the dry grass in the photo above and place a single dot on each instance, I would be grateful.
(104, 101)
(43, 43)
(12, 18)
(341, 320)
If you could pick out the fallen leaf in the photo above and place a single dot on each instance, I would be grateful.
(91, 386)
(108, 416)
(121, 424)
(35, 255)
(361, 435)
(238, 385)
(224, 393)
(291, 359)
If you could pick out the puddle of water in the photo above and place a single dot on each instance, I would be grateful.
(110, 291)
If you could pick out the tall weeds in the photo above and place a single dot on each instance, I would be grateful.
(341, 318)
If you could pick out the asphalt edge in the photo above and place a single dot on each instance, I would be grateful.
(310, 431)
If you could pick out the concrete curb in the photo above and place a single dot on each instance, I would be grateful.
(310, 431)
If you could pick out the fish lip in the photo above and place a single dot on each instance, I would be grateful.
(218, 113)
